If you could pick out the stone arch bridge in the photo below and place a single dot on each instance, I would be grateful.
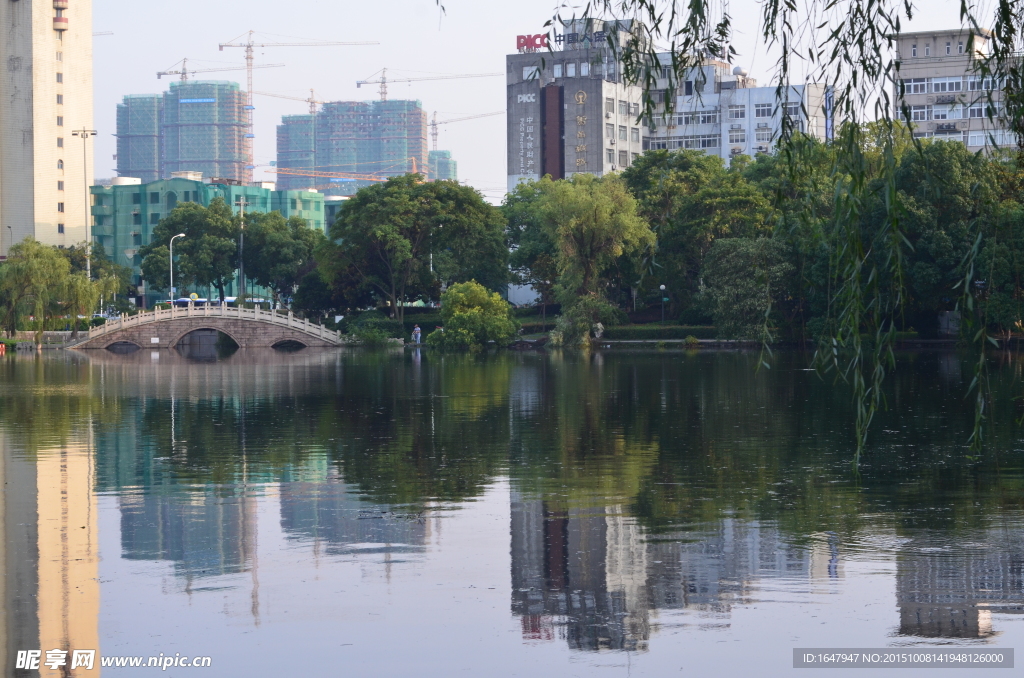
(249, 328)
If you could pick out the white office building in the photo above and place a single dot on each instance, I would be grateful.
(947, 98)
(727, 114)
(45, 94)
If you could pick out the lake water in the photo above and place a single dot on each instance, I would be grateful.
(524, 514)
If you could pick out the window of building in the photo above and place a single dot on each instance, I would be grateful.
(978, 84)
(915, 86)
(762, 110)
(558, 70)
(60, 207)
(623, 107)
(920, 113)
(666, 72)
(622, 133)
(60, 164)
(634, 135)
(793, 110)
(634, 110)
(609, 105)
(154, 218)
(960, 47)
(316, 207)
(531, 73)
(60, 98)
(154, 198)
(609, 130)
(928, 49)
(737, 136)
(570, 70)
(634, 156)
(60, 142)
(60, 56)
(700, 141)
(60, 121)
(60, 77)
(60, 185)
(949, 48)
(610, 156)
(982, 110)
(623, 158)
(763, 134)
(737, 112)
(306, 205)
(136, 219)
(688, 88)
(611, 69)
(698, 118)
(913, 50)
(136, 199)
(940, 85)
(953, 112)
(60, 229)
(585, 69)
(295, 203)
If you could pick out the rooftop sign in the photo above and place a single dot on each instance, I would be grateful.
(197, 101)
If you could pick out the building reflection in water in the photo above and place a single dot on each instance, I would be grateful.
(318, 505)
(591, 575)
(946, 591)
(51, 590)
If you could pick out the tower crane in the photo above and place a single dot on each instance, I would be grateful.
(185, 71)
(249, 44)
(383, 80)
(435, 122)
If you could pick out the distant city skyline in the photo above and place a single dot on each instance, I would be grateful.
(416, 39)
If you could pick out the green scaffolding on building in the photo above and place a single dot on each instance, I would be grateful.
(383, 138)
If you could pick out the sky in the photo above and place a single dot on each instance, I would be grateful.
(416, 39)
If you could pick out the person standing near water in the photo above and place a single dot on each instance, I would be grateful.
(416, 334)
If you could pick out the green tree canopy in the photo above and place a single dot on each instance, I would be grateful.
(278, 252)
(593, 222)
(472, 317)
(401, 238)
(690, 199)
(206, 256)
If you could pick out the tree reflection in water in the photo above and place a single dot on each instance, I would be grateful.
(640, 481)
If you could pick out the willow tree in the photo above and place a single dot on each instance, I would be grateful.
(592, 222)
(848, 46)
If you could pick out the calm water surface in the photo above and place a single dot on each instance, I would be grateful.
(404, 514)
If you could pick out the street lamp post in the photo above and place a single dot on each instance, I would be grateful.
(662, 288)
(85, 134)
(170, 293)
(242, 202)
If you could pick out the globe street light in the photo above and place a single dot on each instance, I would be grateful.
(170, 294)
(662, 288)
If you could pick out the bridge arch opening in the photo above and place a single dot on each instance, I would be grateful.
(289, 345)
(206, 343)
(123, 347)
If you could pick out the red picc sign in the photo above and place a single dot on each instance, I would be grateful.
(539, 41)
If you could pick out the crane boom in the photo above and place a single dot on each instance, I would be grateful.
(248, 45)
(185, 71)
(435, 122)
(383, 80)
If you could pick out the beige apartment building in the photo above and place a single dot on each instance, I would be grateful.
(948, 100)
(45, 94)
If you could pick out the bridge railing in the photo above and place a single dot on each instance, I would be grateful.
(213, 311)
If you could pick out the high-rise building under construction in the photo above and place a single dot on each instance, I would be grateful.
(353, 139)
(196, 126)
